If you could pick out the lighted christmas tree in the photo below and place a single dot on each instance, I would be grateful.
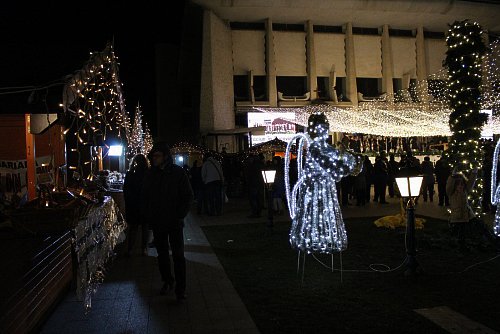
(463, 60)
(148, 140)
(136, 140)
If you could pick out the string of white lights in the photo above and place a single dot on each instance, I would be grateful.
(317, 224)
(495, 190)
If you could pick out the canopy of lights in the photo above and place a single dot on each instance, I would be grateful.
(406, 113)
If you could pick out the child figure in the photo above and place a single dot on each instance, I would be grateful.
(458, 187)
(317, 224)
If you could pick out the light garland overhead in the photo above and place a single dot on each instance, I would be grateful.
(317, 224)
(491, 86)
(185, 147)
(409, 113)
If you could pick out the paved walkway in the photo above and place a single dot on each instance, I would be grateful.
(128, 301)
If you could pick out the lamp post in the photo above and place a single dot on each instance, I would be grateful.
(268, 176)
(409, 182)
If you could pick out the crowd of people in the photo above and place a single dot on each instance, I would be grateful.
(158, 195)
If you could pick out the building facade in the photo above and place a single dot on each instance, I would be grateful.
(289, 53)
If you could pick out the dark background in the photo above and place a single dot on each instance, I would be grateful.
(45, 41)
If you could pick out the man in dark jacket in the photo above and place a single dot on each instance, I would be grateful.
(380, 178)
(166, 198)
(442, 170)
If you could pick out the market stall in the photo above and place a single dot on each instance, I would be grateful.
(61, 212)
(185, 153)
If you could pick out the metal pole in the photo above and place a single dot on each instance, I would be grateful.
(270, 206)
(411, 252)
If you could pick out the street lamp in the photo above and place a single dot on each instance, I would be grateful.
(409, 182)
(268, 176)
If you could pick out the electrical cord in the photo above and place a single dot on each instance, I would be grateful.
(388, 269)
(30, 89)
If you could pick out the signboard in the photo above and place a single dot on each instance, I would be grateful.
(280, 125)
(13, 175)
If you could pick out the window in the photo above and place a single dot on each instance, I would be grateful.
(240, 83)
(434, 34)
(247, 26)
(323, 88)
(365, 31)
(260, 87)
(401, 32)
(397, 84)
(292, 86)
(329, 29)
(341, 89)
(288, 27)
(369, 87)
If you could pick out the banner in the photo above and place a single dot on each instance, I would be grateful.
(278, 125)
(13, 175)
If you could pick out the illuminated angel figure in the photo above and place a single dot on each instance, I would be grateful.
(495, 190)
(317, 225)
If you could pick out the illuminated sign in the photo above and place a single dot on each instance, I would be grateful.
(278, 125)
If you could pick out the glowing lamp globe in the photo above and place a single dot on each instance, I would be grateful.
(268, 176)
(409, 182)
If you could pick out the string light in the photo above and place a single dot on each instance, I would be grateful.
(136, 138)
(463, 61)
(185, 147)
(94, 97)
(495, 190)
(317, 224)
(148, 141)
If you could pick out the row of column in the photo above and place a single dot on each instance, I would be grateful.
(350, 63)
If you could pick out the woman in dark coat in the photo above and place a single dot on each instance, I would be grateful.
(131, 191)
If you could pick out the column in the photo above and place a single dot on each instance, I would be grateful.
(387, 73)
(422, 91)
(312, 81)
(271, 65)
(350, 66)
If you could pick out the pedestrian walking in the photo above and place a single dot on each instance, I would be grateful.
(255, 185)
(360, 183)
(393, 171)
(197, 185)
(443, 171)
(380, 178)
(132, 194)
(213, 180)
(166, 199)
(458, 187)
(278, 185)
(428, 182)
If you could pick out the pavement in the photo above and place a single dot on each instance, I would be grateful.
(129, 302)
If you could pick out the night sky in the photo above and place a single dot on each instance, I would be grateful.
(46, 40)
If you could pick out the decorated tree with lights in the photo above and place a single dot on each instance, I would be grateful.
(136, 140)
(463, 60)
(148, 140)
